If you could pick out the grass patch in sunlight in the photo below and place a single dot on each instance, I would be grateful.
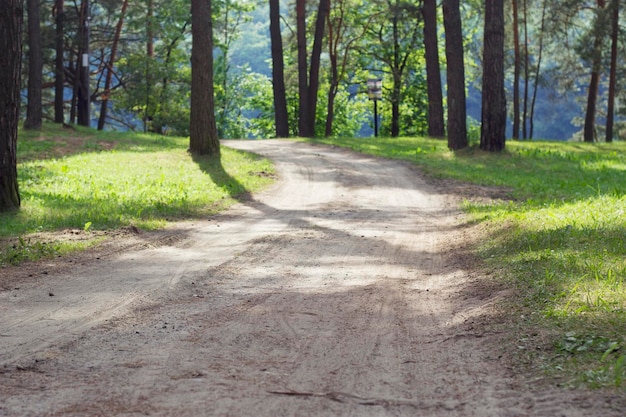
(560, 240)
(92, 180)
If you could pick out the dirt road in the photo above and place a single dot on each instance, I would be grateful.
(342, 291)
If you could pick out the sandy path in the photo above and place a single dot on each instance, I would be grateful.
(336, 293)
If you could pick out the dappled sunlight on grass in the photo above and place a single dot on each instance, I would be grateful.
(102, 180)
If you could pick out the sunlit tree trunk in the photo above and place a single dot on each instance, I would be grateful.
(10, 62)
(203, 138)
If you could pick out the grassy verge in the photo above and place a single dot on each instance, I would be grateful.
(87, 180)
(561, 241)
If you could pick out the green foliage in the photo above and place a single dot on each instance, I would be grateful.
(557, 234)
(414, 105)
(27, 250)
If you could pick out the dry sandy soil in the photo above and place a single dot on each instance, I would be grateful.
(345, 290)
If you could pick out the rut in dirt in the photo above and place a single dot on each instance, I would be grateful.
(345, 290)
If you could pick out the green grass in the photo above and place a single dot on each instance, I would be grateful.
(88, 180)
(560, 240)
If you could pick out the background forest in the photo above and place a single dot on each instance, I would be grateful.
(558, 55)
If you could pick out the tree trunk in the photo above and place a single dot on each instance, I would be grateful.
(334, 72)
(35, 67)
(613, 75)
(531, 118)
(147, 113)
(316, 53)
(526, 73)
(83, 104)
(303, 78)
(10, 62)
(281, 116)
(396, 91)
(592, 93)
(202, 130)
(109, 77)
(516, 70)
(457, 128)
(74, 70)
(59, 76)
(493, 120)
(397, 79)
(436, 127)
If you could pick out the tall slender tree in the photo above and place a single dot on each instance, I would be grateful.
(436, 126)
(149, 76)
(109, 77)
(83, 70)
(457, 111)
(316, 53)
(304, 124)
(34, 113)
(10, 63)
(526, 71)
(615, 4)
(589, 130)
(281, 116)
(516, 68)
(493, 120)
(531, 118)
(203, 138)
(59, 73)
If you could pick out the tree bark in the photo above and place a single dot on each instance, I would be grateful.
(436, 126)
(316, 53)
(516, 69)
(589, 130)
(84, 96)
(526, 72)
(35, 67)
(10, 62)
(59, 76)
(203, 138)
(303, 78)
(109, 77)
(457, 113)
(613, 72)
(333, 43)
(493, 120)
(531, 118)
(281, 116)
(397, 79)
(147, 113)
